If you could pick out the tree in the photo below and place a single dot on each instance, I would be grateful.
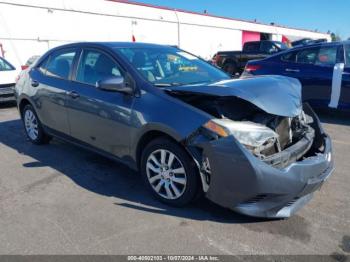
(335, 37)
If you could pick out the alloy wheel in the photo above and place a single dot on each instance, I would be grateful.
(31, 124)
(166, 174)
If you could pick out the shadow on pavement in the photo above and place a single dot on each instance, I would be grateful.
(7, 104)
(332, 116)
(105, 177)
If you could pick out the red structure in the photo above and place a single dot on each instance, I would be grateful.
(248, 36)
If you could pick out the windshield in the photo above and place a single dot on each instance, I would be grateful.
(166, 66)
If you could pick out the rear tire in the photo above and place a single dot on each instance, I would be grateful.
(169, 172)
(33, 127)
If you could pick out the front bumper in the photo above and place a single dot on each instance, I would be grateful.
(242, 182)
(7, 92)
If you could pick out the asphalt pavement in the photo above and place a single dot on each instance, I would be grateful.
(60, 199)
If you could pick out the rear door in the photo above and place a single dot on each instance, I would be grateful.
(98, 117)
(314, 68)
(50, 82)
(345, 89)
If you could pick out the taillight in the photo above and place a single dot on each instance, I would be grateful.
(252, 68)
(24, 67)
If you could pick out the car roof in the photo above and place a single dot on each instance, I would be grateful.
(109, 45)
(114, 45)
(321, 44)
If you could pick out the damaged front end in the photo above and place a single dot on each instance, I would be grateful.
(255, 162)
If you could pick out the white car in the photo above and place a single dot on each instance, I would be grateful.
(8, 74)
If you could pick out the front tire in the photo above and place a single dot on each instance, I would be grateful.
(33, 127)
(169, 172)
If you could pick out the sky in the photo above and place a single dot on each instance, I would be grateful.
(321, 15)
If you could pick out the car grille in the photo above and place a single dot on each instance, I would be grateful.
(7, 92)
(253, 200)
(292, 201)
(7, 86)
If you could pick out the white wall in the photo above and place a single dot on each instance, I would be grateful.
(206, 41)
(276, 37)
(30, 27)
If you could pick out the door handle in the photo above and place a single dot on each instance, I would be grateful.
(34, 83)
(292, 70)
(73, 94)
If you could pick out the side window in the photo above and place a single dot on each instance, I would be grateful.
(268, 47)
(347, 54)
(307, 56)
(59, 64)
(289, 57)
(252, 46)
(43, 65)
(327, 56)
(95, 66)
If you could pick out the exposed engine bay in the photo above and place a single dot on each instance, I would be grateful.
(276, 140)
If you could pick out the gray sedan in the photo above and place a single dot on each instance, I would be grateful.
(248, 144)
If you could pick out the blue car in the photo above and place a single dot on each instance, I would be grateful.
(323, 70)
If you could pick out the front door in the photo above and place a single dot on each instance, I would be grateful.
(99, 118)
(344, 102)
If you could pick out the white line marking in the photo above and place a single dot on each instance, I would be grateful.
(336, 85)
(341, 142)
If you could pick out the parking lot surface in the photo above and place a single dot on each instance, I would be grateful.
(60, 199)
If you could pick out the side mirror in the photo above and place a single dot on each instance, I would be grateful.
(115, 84)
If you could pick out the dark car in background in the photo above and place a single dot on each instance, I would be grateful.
(248, 145)
(31, 60)
(307, 41)
(323, 70)
(233, 62)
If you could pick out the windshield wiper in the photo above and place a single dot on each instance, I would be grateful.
(200, 82)
(167, 84)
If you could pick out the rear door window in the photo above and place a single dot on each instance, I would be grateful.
(307, 56)
(252, 47)
(327, 55)
(59, 64)
(289, 57)
(96, 66)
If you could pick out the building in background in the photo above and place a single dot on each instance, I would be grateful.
(30, 27)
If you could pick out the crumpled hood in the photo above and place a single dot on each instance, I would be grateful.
(277, 95)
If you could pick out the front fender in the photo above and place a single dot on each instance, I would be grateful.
(164, 114)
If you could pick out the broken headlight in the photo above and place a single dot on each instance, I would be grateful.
(250, 134)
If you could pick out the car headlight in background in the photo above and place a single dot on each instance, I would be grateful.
(250, 134)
